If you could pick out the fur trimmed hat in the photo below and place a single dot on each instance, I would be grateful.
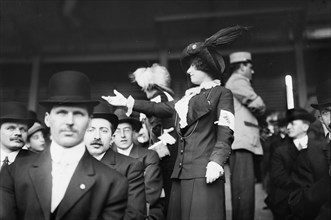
(147, 77)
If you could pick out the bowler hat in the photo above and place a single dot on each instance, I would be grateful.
(299, 114)
(105, 111)
(209, 50)
(15, 111)
(123, 118)
(323, 93)
(69, 87)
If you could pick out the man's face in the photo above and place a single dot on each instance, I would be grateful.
(13, 136)
(297, 128)
(247, 70)
(67, 124)
(98, 136)
(123, 136)
(37, 141)
(326, 117)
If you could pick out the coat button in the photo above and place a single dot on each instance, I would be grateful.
(181, 151)
(82, 186)
(180, 164)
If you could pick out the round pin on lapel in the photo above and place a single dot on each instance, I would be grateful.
(82, 186)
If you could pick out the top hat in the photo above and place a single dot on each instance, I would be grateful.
(299, 114)
(106, 111)
(69, 87)
(123, 118)
(15, 111)
(240, 57)
(209, 51)
(323, 93)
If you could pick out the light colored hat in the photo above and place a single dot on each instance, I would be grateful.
(240, 57)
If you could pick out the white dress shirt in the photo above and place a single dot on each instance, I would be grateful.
(125, 152)
(301, 143)
(64, 163)
(11, 156)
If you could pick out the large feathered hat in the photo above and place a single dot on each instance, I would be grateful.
(156, 75)
(209, 50)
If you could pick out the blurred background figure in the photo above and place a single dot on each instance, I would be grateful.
(155, 82)
(37, 138)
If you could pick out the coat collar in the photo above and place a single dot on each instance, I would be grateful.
(109, 157)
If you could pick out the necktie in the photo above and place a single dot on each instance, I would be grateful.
(5, 162)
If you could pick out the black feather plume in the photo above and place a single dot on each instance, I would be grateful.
(225, 36)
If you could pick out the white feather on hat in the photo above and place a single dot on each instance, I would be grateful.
(154, 75)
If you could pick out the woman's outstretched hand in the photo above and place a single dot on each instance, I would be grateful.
(117, 100)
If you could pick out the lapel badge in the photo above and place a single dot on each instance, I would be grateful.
(82, 186)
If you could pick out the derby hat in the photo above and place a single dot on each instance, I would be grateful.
(106, 111)
(323, 94)
(299, 114)
(69, 87)
(123, 118)
(209, 50)
(15, 111)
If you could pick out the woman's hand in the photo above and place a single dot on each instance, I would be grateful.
(117, 100)
(213, 172)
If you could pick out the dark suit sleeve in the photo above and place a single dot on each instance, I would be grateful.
(153, 178)
(117, 199)
(160, 110)
(222, 148)
(280, 174)
(136, 197)
(8, 207)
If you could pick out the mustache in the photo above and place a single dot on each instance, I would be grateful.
(17, 139)
(97, 142)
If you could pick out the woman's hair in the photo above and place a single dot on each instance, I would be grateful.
(201, 65)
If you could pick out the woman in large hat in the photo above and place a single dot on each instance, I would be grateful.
(204, 123)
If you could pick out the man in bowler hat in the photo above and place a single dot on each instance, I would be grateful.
(311, 176)
(64, 181)
(283, 160)
(14, 125)
(98, 140)
(123, 144)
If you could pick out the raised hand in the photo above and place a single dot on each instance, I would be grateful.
(117, 100)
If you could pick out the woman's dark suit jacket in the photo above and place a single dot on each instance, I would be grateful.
(94, 191)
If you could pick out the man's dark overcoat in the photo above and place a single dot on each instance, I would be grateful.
(94, 191)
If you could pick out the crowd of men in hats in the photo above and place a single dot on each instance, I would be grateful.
(91, 165)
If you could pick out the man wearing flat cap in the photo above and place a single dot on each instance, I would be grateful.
(64, 181)
(247, 105)
(311, 176)
(283, 160)
(14, 124)
(98, 140)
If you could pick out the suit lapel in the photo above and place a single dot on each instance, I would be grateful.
(81, 182)
(109, 157)
(134, 152)
(41, 177)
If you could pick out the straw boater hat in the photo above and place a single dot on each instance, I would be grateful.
(323, 93)
(15, 112)
(106, 111)
(154, 76)
(240, 57)
(69, 87)
(210, 50)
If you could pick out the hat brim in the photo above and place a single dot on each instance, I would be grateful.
(136, 125)
(29, 121)
(68, 102)
(319, 106)
(112, 118)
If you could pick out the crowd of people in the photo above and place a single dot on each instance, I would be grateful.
(161, 158)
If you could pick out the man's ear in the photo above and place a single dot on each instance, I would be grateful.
(46, 119)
